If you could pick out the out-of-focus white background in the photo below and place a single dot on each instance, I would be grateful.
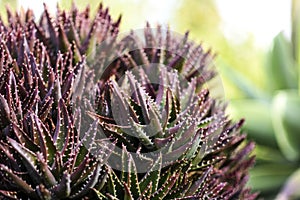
(261, 18)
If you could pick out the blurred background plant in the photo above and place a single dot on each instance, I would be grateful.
(262, 83)
(273, 115)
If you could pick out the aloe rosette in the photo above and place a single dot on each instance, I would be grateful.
(42, 153)
(86, 113)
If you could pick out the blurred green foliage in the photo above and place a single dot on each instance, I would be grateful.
(201, 18)
(273, 117)
(11, 4)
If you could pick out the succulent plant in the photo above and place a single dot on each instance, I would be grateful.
(77, 122)
(42, 153)
(42, 156)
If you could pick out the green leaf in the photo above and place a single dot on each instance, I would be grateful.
(97, 194)
(286, 115)
(89, 136)
(29, 159)
(133, 178)
(89, 183)
(23, 137)
(119, 106)
(128, 195)
(125, 160)
(115, 187)
(188, 95)
(62, 39)
(5, 112)
(45, 110)
(17, 180)
(185, 134)
(258, 120)
(269, 177)
(281, 65)
(72, 34)
(141, 96)
(167, 109)
(266, 154)
(138, 131)
(152, 176)
(242, 82)
(63, 189)
(166, 187)
(196, 185)
(41, 137)
(62, 132)
(80, 168)
(52, 32)
(46, 172)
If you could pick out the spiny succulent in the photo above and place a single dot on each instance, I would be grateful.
(172, 139)
(43, 155)
(85, 115)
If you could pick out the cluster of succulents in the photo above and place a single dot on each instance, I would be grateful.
(77, 122)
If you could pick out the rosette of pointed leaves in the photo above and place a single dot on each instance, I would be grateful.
(68, 28)
(172, 139)
(42, 153)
